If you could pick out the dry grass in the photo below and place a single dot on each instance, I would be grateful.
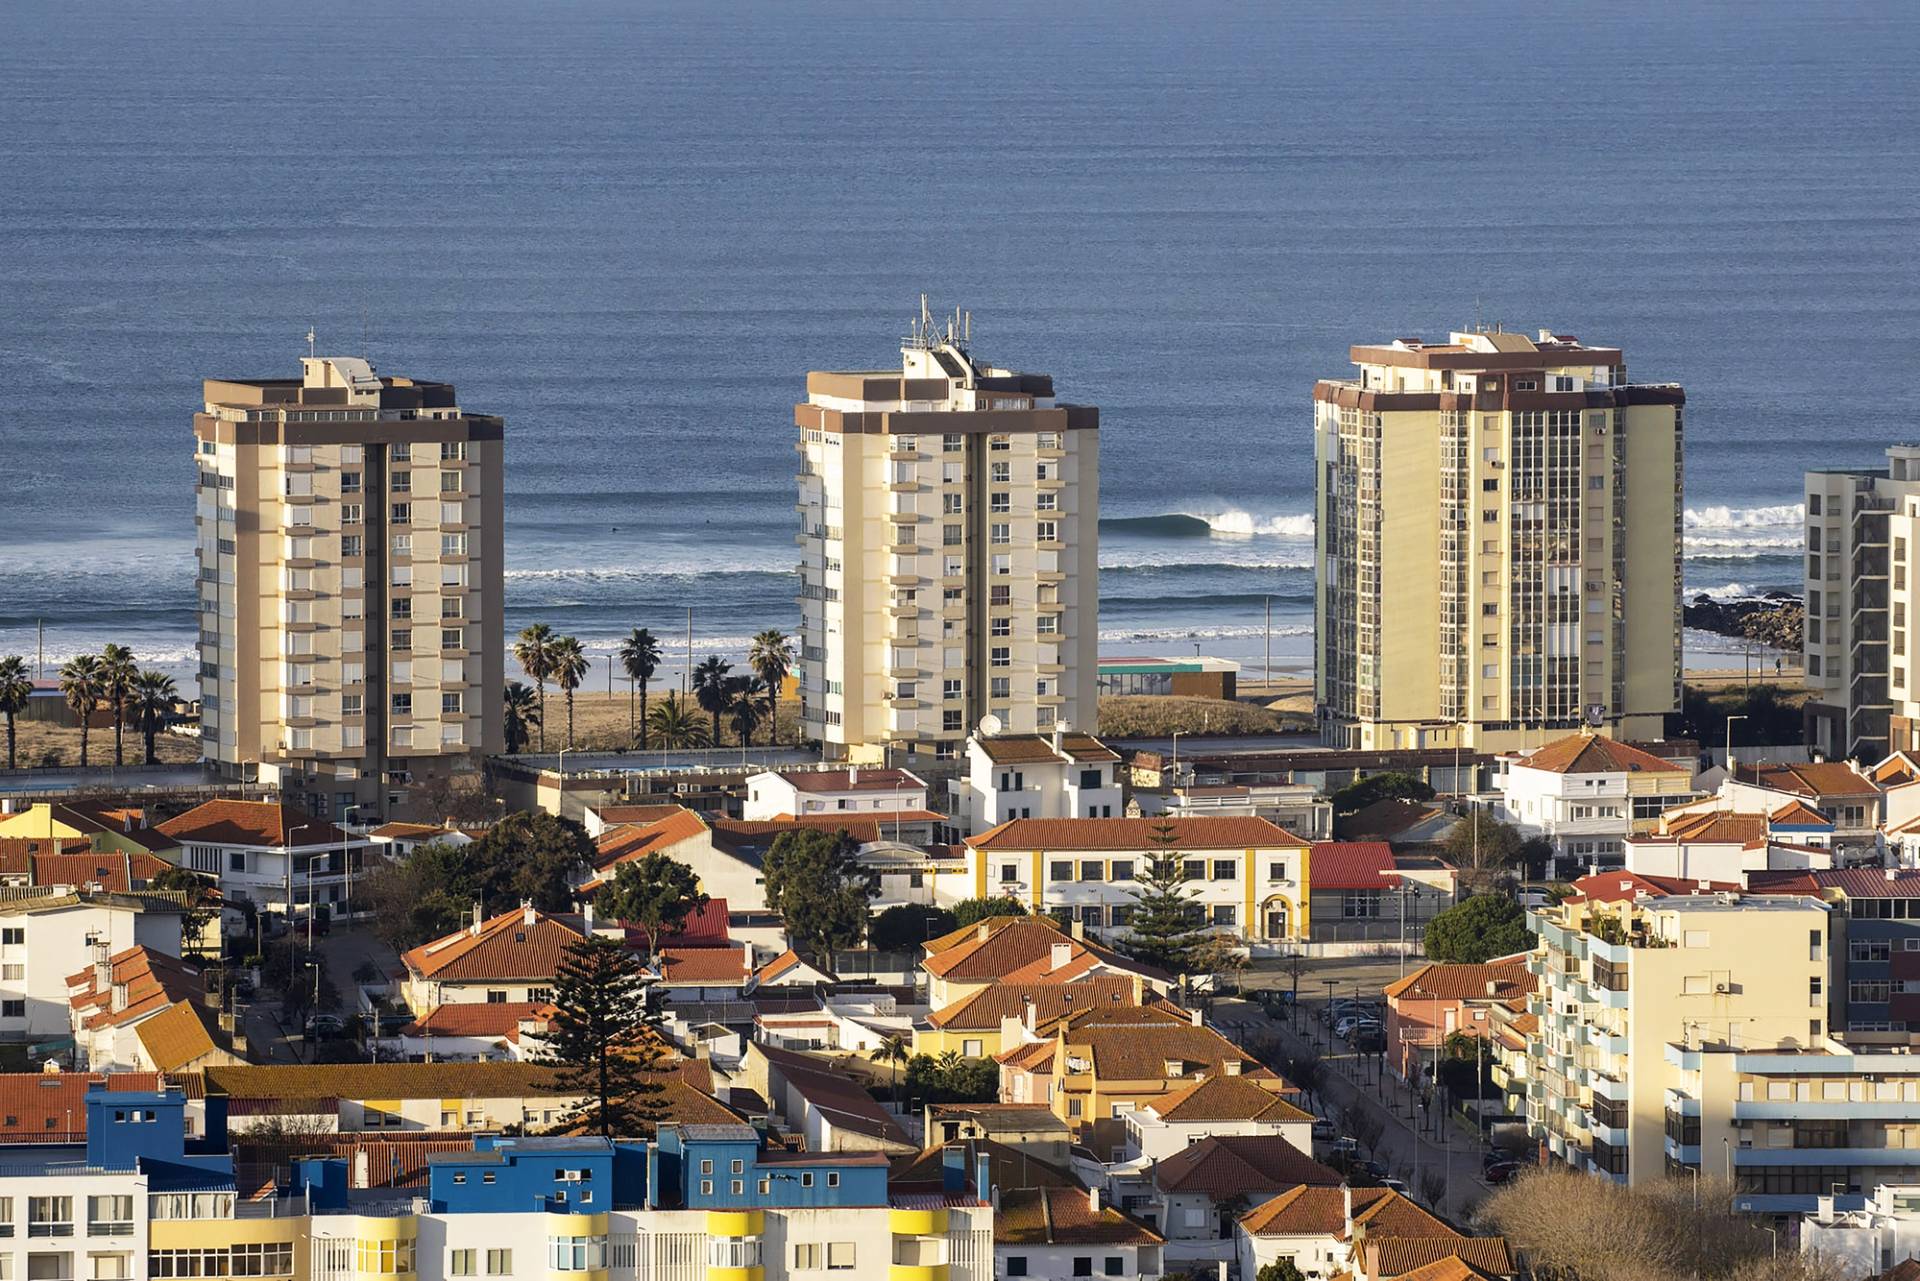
(44, 743)
(1156, 716)
(601, 722)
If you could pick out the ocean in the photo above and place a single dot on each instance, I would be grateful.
(630, 228)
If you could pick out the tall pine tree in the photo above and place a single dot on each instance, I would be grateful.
(605, 1038)
(1166, 929)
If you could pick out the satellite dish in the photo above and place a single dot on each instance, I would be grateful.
(990, 725)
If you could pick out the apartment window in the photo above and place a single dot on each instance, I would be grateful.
(1016, 1265)
(952, 535)
(403, 704)
(1000, 656)
(1000, 627)
(1193, 869)
(117, 1266)
(109, 1216)
(452, 607)
(451, 482)
(350, 513)
(401, 482)
(49, 1216)
(1090, 870)
(402, 451)
(1047, 624)
(1047, 500)
(1869, 950)
(453, 544)
(460, 1263)
(1000, 502)
(951, 720)
(453, 514)
(1060, 870)
(452, 703)
(950, 687)
(1047, 531)
(349, 482)
(1000, 687)
(1224, 869)
(1002, 473)
(400, 513)
(13, 935)
(400, 639)
(50, 1267)
(1224, 914)
(1083, 1265)
(402, 607)
(1000, 535)
(806, 1256)
(1009, 873)
(839, 1256)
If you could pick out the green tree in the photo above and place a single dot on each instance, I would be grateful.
(1481, 841)
(674, 725)
(655, 893)
(640, 659)
(771, 658)
(744, 704)
(533, 650)
(905, 926)
(1165, 930)
(818, 887)
(1391, 785)
(152, 705)
(1478, 929)
(971, 911)
(522, 709)
(1280, 1270)
(710, 690)
(952, 1079)
(194, 888)
(531, 857)
(80, 686)
(894, 1050)
(569, 669)
(528, 857)
(118, 672)
(604, 1037)
(16, 690)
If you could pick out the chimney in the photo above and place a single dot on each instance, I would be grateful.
(586, 916)
(1077, 928)
(1062, 953)
(1139, 989)
(1029, 1017)
(853, 775)
(1346, 1196)
(1822, 1214)
(1093, 1193)
(119, 997)
(1195, 1016)
(1058, 752)
(475, 927)
(1893, 874)
(1493, 987)
(982, 930)
(1230, 1067)
(526, 911)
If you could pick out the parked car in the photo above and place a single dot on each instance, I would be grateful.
(1368, 1039)
(1324, 1131)
(1500, 1172)
(323, 1026)
(1343, 1148)
(1397, 1185)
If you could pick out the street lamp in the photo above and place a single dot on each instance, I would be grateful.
(346, 860)
(1730, 720)
(1176, 756)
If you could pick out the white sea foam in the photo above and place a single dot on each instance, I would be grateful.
(1235, 523)
(1773, 516)
(1199, 633)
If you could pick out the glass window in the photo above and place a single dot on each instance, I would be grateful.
(109, 1216)
(49, 1216)
(460, 1263)
(499, 1263)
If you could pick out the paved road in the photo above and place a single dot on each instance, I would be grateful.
(1363, 1081)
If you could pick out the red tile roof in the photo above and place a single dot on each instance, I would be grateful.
(1615, 887)
(509, 946)
(1224, 1165)
(1502, 980)
(1064, 1216)
(50, 1107)
(1322, 1212)
(1391, 1256)
(1135, 834)
(1020, 949)
(1713, 827)
(839, 780)
(627, 844)
(152, 982)
(714, 966)
(1351, 865)
(263, 823)
(1227, 1098)
(983, 1010)
(478, 1018)
(1026, 749)
(1814, 780)
(1587, 753)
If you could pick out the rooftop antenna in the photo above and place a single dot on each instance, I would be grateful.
(966, 327)
(1478, 324)
(311, 339)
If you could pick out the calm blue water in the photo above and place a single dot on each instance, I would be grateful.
(630, 228)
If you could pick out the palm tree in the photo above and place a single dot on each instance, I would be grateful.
(676, 725)
(744, 705)
(894, 1050)
(118, 671)
(152, 701)
(569, 668)
(534, 652)
(771, 658)
(523, 712)
(640, 656)
(710, 689)
(80, 683)
(16, 689)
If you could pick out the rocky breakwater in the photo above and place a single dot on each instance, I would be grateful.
(1771, 618)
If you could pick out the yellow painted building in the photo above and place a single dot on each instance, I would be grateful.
(1498, 545)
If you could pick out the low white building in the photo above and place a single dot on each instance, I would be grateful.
(1059, 1234)
(47, 933)
(274, 856)
(1215, 1105)
(1867, 1240)
(799, 793)
(1711, 844)
(1587, 794)
(1057, 775)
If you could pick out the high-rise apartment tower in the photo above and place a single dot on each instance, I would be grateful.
(949, 518)
(1497, 529)
(350, 584)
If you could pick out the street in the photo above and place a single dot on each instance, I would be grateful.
(343, 951)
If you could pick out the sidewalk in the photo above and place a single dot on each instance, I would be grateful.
(1351, 1080)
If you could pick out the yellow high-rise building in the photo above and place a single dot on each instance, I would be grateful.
(351, 591)
(949, 515)
(1498, 539)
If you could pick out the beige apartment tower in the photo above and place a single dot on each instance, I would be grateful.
(350, 585)
(949, 543)
(1498, 545)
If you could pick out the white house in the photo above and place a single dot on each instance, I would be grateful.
(1709, 844)
(1214, 1105)
(274, 856)
(798, 793)
(1587, 793)
(1059, 1234)
(1320, 1229)
(1057, 775)
(397, 840)
(1865, 1241)
(47, 933)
